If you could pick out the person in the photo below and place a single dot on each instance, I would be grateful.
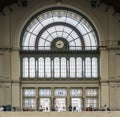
(64, 109)
(105, 108)
(56, 108)
(30, 109)
(41, 108)
(1, 108)
(14, 108)
(70, 108)
(91, 108)
(74, 108)
(47, 109)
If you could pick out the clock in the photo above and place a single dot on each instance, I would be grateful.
(59, 44)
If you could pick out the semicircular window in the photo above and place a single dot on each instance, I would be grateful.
(59, 43)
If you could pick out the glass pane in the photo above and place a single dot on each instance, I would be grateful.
(47, 68)
(47, 21)
(54, 35)
(92, 102)
(45, 34)
(29, 92)
(59, 15)
(25, 42)
(87, 42)
(29, 103)
(93, 40)
(41, 67)
(86, 25)
(51, 30)
(92, 92)
(77, 104)
(25, 67)
(41, 44)
(59, 28)
(32, 67)
(60, 104)
(59, 34)
(88, 67)
(32, 25)
(37, 29)
(71, 21)
(94, 67)
(72, 45)
(69, 39)
(75, 92)
(79, 67)
(78, 44)
(67, 29)
(56, 68)
(47, 45)
(62, 92)
(63, 67)
(81, 29)
(44, 104)
(65, 34)
(45, 92)
(74, 35)
(72, 67)
(32, 42)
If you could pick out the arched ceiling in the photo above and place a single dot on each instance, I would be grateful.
(109, 3)
(114, 3)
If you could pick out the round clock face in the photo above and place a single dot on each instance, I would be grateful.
(59, 44)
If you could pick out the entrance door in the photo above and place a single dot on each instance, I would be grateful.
(60, 104)
(44, 104)
(77, 103)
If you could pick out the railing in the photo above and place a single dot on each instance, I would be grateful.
(110, 43)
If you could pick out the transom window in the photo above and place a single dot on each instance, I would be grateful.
(59, 43)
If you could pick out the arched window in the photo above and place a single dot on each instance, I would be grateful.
(41, 67)
(25, 67)
(59, 43)
(47, 67)
(79, 67)
(63, 67)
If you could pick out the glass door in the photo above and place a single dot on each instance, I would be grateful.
(44, 104)
(77, 104)
(60, 104)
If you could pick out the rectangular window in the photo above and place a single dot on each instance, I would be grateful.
(45, 92)
(76, 92)
(60, 99)
(76, 99)
(29, 102)
(92, 97)
(60, 92)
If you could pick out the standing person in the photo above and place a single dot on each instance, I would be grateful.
(74, 108)
(105, 108)
(40, 108)
(56, 108)
(70, 108)
(91, 108)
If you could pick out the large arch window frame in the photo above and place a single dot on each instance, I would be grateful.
(39, 61)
